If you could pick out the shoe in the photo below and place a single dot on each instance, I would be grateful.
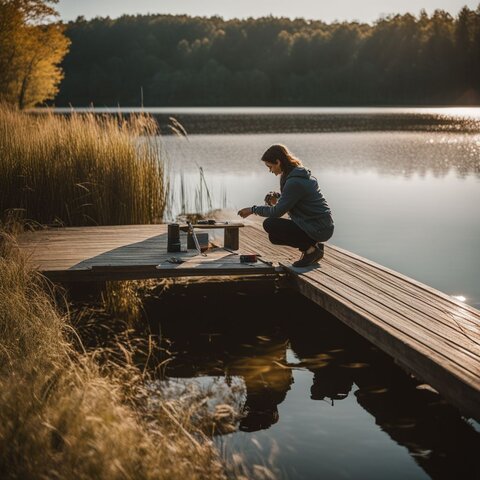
(310, 258)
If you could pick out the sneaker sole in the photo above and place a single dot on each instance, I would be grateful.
(299, 263)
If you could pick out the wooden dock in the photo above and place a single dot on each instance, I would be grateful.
(125, 252)
(432, 335)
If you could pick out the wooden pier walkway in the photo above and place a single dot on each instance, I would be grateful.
(125, 252)
(432, 335)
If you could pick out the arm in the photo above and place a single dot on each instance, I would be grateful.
(293, 191)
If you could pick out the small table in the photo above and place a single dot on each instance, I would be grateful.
(231, 239)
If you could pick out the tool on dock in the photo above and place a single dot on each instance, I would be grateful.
(249, 258)
(266, 262)
(203, 240)
(210, 222)
(243, 258)
(191, 231)
(176, 260)
(206, 222)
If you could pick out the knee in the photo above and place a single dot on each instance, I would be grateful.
(326, 234)
(267, 224)
(274, 240)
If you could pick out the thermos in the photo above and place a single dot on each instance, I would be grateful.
(173, 239)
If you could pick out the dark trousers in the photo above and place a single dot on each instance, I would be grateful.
(282, 231)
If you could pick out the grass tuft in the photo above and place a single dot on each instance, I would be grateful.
(80, 169)
(65, 415)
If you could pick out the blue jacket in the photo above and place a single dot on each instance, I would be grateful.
(305, 204)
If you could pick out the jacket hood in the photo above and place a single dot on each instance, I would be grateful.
(301, 172)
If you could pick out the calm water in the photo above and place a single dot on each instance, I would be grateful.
(407, 200)
(303, 119)
(403, 183)
(319, 401)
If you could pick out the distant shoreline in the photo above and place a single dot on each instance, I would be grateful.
(272, 109)
(246, 120)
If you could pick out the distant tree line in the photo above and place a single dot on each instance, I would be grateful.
(182, 60)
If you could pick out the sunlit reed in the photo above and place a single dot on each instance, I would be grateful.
(65, 415)
(80, 169)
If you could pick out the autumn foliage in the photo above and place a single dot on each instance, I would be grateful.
(32, 46)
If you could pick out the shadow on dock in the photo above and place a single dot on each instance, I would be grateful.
(145, 252)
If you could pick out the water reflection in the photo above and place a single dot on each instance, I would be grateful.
(286, 122)
(259, 360)
(304, 119)
(269, 341)
(266, 384)
(434, 433)
(392, 193)
(402, 153)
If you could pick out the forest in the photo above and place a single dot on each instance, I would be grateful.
(166, 60)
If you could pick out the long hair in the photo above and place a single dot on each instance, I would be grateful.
(288, 161)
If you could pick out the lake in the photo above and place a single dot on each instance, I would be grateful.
(318, 400)
(406, 198)
(404, 187)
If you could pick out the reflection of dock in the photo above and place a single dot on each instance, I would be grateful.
(254, 352)
(430, 334)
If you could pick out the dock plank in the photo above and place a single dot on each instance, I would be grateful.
(422, 337)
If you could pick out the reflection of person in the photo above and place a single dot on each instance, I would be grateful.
(267, 382)
(261, 404)
(310, 221)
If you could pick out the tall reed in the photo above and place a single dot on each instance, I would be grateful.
(63, 415)
(80, 169)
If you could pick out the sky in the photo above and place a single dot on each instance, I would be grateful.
(326, 10)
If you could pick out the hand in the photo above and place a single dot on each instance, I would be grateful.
(271, 198)
(245, 212)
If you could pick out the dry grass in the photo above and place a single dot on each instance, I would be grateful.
(67, 412)
(63, 415)
(80, 169)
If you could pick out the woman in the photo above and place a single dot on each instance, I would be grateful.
(311, 219)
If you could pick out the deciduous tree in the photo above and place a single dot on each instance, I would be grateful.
(32, 45)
